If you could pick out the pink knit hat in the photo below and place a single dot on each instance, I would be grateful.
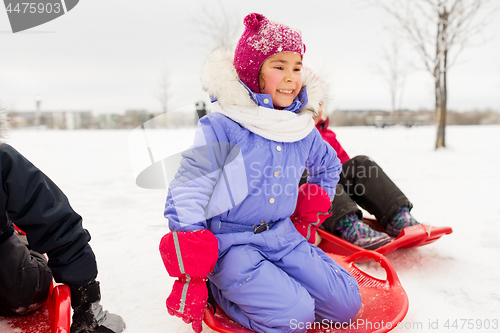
(261, 39)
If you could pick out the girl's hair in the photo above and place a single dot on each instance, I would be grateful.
(261, 39)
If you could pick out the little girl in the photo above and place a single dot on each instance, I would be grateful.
(230, 203)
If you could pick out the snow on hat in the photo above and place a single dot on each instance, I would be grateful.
(261, 39)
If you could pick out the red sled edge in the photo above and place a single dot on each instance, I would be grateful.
(410, 237)
(60, 309)
(53, 316)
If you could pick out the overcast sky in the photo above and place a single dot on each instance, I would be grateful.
(107, 56)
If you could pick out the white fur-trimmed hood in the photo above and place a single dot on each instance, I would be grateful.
(220, 80)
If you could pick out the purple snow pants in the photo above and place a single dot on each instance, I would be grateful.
(276, 281)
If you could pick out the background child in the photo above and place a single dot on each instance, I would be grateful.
(229, 205)
(31, 201)
(364, 183)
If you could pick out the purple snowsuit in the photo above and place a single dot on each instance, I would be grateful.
(234, 181)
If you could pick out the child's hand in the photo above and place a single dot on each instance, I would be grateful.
(190, 257)
(313, 207)
(190, 308)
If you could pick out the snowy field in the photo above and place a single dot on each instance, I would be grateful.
(456, 278)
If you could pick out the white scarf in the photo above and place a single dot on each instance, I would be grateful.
(275, 125)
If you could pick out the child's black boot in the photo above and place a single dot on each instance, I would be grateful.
(88, 314)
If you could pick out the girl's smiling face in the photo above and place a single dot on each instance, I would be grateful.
(281, 78)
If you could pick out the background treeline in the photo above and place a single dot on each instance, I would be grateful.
(362, 118)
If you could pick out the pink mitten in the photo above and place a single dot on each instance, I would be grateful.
(313, 208)
(189, 256)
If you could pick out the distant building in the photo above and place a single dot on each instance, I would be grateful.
(134, 118)
(53, 119)
(182, 117)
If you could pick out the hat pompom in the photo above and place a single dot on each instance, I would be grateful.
(254, 20)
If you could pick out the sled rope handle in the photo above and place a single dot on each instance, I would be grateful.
(428, 230)
(392, 277)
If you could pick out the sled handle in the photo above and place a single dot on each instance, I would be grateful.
(392, 277)
(61, 297)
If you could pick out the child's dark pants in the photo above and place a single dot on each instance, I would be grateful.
(364, 183)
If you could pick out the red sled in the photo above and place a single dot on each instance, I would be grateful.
(384, 302)
(53, 317)
(415, 236)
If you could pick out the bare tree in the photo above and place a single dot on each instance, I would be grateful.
(163, 93)
(217, 26)
(435, 28)
(4, 120)
(394, 71)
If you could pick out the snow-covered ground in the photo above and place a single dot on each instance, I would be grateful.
(456, 278)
